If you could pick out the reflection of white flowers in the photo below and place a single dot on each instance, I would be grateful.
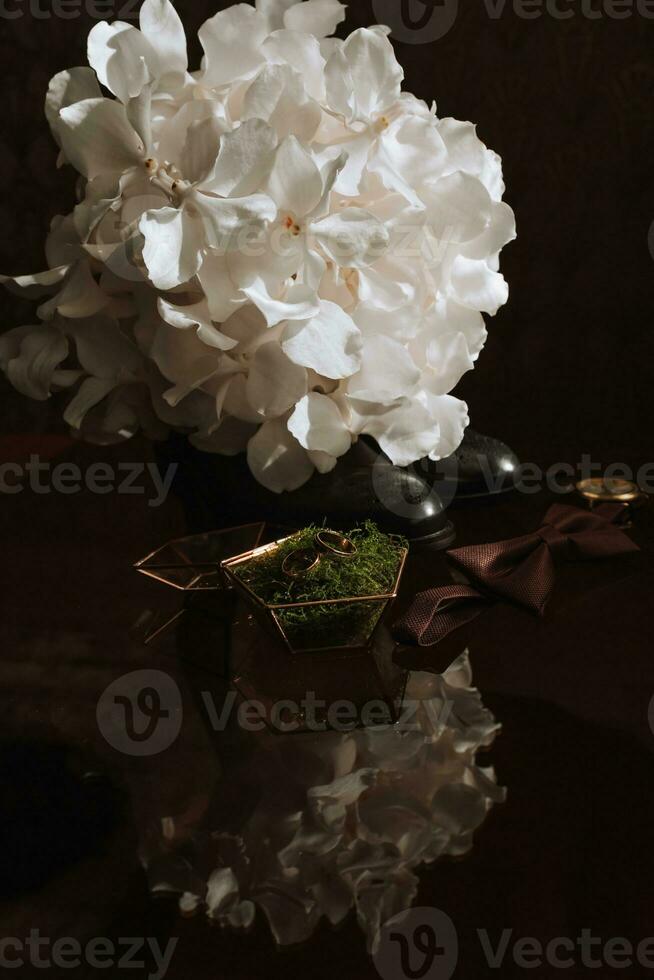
(342, 821)
(276, 253)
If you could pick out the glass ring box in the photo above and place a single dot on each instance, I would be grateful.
(335, 649)
(313, 625)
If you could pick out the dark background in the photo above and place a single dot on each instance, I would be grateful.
(566, 103)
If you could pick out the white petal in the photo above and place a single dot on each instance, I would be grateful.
(79, 297)
(173, 134)
(276, 458)
(99, 196)
(373, 74)
(477, 286)
(500, 231)
(323, 462)
(341, 97)
(91, 392)
(299, 303)
(452, 415)
(302, 53)
(358, 151)
(319, 17)
(244, 160)
(405, 433)
(103, 349)
(248, 327)
(160, 23)
(329, 803)
(408, 153)
(352, 237)
(173, 244)
(273, 11)
(201, 145)
(459, 208)
(224, 296)
(295, 181)
(62, 243)
(30, 357)
(236, 402)
(139, 115)
(278, 95)
(231, 223)
(97, 137)
(467, 152)
(242, 915)
(387, 373)
(122, 58)
(37, 283)
(384, 287)
(197, 317)
(274, 382)
(229, 438)
(330, 343)
(232, 41)
(189, 363)
(68, 87)
(329, 172)
(318, 425)
(449, 317)
(222, 890)
(449, 358)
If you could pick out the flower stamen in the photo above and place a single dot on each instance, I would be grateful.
(291, 225)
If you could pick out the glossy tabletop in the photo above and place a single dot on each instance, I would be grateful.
(569, 849)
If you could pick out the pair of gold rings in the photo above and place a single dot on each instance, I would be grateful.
(328, 544)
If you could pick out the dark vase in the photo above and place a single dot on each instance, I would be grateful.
(220, 491)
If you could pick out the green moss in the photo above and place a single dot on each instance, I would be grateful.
(372, 571)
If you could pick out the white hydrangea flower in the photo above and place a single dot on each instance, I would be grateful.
(276, 253)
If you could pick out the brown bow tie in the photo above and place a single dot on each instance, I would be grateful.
(520, 570)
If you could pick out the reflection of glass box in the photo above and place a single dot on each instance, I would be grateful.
(316, 691)
(345, 625)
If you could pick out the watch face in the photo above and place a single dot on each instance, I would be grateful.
(598, 488)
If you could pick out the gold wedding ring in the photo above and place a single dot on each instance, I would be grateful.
(329, 544)
(335, 544)
(300, 561)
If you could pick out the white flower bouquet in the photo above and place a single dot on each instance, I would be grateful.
(276, 253)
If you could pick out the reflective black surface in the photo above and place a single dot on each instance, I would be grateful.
(570, 848)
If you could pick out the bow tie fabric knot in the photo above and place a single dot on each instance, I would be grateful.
(521, 570)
